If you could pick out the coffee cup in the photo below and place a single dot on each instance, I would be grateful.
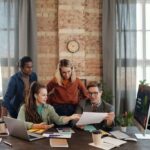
(96, 136)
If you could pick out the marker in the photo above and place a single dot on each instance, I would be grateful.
(7, 143)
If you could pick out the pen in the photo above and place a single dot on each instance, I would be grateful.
(7, 143)
(53, 135)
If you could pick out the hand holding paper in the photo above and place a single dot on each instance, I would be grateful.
(110, 118)
(91, 118)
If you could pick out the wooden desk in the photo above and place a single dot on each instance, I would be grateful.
(79, 141)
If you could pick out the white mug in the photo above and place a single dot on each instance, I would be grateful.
(97, 137)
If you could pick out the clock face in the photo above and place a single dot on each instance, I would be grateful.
(73, 46)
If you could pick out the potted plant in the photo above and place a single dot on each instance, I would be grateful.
(124, 120)
(143, 82)
(107, 93)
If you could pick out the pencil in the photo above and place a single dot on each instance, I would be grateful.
(7, 143)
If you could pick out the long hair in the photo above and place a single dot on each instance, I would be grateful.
(64, 63)
(31, 113)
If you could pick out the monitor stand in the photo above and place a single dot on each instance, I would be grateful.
(143, 136)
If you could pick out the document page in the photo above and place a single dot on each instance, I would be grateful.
(91, 118)
(104, 146)
(113, 141)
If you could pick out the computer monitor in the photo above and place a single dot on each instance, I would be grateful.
(142, 111)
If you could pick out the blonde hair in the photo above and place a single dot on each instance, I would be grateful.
(64, 63)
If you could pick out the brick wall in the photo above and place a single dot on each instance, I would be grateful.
(60, 21)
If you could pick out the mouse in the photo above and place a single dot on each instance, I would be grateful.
(131, 139)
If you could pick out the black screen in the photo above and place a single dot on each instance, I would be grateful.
(141, 112)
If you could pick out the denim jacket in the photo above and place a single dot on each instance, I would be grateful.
(14, 93)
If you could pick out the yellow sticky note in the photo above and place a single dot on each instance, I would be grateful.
(33, 130)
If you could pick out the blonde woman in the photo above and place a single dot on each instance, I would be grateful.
(65, 89)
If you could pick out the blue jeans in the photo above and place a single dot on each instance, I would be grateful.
(64, 109)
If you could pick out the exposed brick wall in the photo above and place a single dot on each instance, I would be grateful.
(47, 18)
(62, 20)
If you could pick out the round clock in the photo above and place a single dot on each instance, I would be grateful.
(73, 46)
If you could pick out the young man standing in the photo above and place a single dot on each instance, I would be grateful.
(18, 88)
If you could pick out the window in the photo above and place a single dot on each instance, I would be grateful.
(143, 41)
(7, 43)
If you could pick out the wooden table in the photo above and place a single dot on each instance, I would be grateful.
(79, 141)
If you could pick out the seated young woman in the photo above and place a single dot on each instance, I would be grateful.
(37, 114)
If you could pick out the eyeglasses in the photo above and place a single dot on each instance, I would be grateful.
(93, 93)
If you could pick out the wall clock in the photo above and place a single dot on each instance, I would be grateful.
(73, 46)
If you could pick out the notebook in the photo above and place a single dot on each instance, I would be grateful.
(17, 128)
(58, 142)
(37, 131)
(119, 135)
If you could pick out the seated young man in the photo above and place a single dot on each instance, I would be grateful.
(95, 104)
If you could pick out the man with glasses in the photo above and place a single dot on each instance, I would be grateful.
(95, 104)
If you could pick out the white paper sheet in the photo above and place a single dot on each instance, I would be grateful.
(91, 118)
(113, 141)
(104, 146)
(57, 135)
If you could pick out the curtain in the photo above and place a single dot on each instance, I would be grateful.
(17, 36)
(119, 52)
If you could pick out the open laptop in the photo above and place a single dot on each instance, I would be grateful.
(17, 128)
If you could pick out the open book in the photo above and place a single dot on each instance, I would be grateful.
(109, 143)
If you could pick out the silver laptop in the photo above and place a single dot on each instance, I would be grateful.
(17, 128)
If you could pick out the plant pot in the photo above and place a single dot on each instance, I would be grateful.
(123, 129)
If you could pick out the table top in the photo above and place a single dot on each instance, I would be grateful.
(78, 141)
